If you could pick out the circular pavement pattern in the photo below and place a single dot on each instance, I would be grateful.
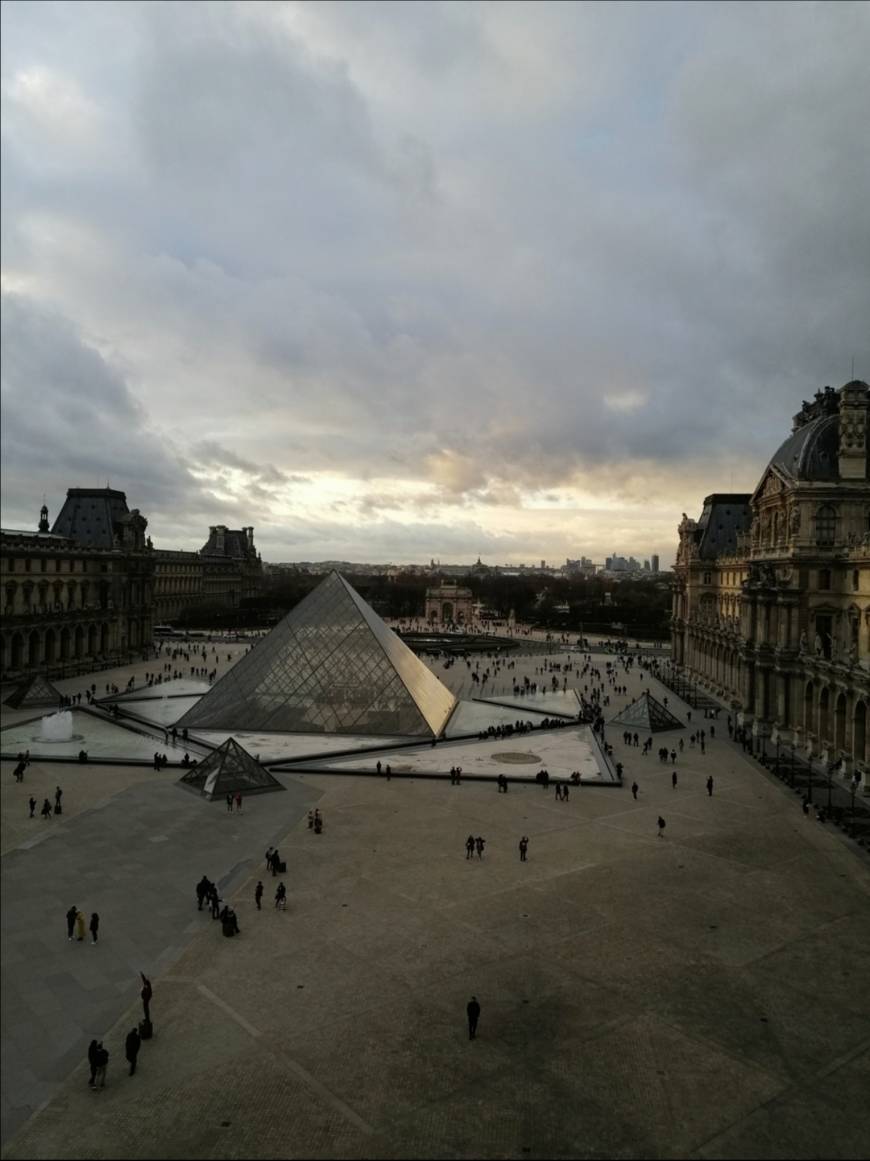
(517, 758)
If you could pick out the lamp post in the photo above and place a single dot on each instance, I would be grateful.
(830, 781)
(810, 787)
(776, 761)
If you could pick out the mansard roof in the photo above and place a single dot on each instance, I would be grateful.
(235, 543)
(725, 516)
(92, 516)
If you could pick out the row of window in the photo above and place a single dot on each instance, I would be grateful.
(824, 579)
(72, 565)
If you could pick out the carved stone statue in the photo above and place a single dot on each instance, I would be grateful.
(803, 646)
(795, 520)
(817, 646)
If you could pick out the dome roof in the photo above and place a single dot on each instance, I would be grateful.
(811, 452)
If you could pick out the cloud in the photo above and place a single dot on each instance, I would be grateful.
(460, 258)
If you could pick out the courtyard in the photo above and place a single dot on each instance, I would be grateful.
(699, 995)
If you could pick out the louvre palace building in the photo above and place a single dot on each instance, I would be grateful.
(771, 591)
(87, 591)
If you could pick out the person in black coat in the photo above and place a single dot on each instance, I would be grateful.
(71, 921)
(131, 1048)
(473, 1010)
(93, 1049)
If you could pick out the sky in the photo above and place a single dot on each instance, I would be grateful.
(402, 281)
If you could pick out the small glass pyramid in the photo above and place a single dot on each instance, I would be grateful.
(645, 713)
(331, 666)
(34, 691)
(230, 769)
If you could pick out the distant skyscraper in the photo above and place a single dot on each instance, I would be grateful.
(646, 566)
(655, 563)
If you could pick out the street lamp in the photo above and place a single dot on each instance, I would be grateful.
(776, 761)
(810, 787)
(830, 781)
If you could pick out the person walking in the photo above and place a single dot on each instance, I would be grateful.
(71, 921)
(80, 926)
(634, 790)
(238, 802)
(674, 780)
(93, 1049)
(102, 1062)
(46, 809)
(146, 994)
(32, 805)
(479, 844)
(565, 793)
(58, 795)
(469, 846)
(473, 1010)
(229, 803)
(710, 786)
(94, 927)
(281, 896)
(661, 825)
(131, 1048)
(258, 895)
(524, 846)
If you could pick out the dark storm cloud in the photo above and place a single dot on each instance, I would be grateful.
(481, 250)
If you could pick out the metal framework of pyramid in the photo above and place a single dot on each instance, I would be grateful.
(230, 769)
(645, 713)
(34, 691)
(330, 666)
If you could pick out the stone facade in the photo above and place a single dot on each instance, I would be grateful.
(78, 595)
(232, 568)
(88, 591)
(449, 604)
(177, 583)
(226, 571)
(771, 591)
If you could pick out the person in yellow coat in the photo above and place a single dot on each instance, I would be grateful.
(80, 925)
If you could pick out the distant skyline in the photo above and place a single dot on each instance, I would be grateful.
(401, 281)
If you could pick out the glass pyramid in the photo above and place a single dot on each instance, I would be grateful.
(645, 713)
(228, 770)
(34, 691)
(331, 666)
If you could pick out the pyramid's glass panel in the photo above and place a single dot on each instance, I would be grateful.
(331, 666)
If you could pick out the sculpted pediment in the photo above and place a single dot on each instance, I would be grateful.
(771, 484)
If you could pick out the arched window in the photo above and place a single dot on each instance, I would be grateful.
(708, 578)
(824, 578)
(826, 525)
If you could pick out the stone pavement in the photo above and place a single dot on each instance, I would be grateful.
(702, 995)
(132, 850)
